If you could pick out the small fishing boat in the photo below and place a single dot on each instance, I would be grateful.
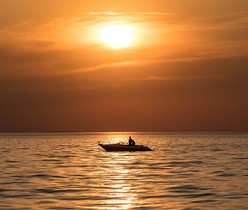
(123, 147)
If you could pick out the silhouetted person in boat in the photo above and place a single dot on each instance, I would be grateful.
(131, 141)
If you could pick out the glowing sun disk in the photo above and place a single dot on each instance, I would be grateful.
(117, 36)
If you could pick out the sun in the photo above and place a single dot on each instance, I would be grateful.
(117, 36)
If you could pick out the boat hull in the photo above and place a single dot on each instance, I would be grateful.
(120, 148)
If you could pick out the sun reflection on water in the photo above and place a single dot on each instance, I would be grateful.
(118, 182)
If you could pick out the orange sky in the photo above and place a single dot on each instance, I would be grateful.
(185, 71)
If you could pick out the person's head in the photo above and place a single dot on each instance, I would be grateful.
(129, 137)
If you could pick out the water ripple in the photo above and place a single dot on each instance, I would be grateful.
(70, 171)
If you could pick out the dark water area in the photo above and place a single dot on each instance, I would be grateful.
(187, 171)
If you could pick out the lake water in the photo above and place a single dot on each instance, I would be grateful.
(187, 171)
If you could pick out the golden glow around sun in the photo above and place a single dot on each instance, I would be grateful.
(117, 36)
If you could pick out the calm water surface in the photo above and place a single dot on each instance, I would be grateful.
(70, 171)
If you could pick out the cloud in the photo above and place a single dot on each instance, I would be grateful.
(169, 78)
(110, 13)
(62, 46)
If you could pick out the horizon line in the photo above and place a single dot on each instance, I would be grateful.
(123, 131)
